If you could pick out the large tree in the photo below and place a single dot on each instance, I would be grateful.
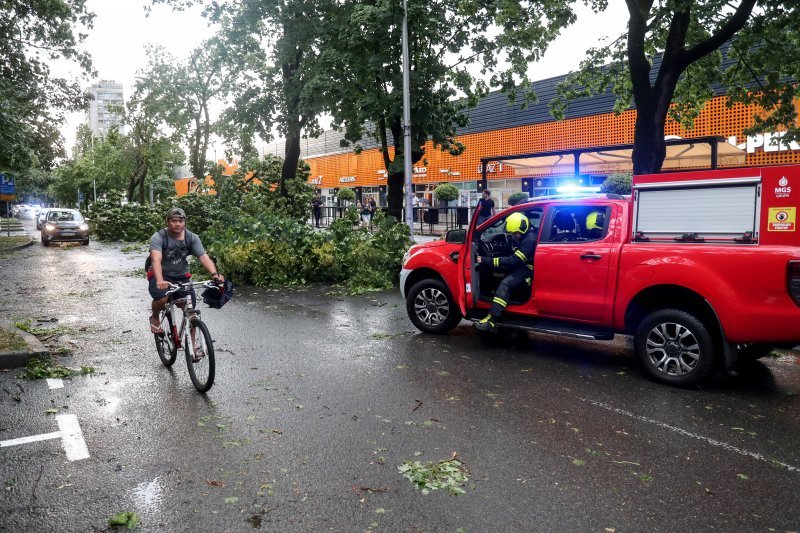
(32, 100)
(273, 45)
(364, 61)
(757, 41)
(181, 94)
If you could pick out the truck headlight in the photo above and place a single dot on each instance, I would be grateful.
(49, 227)
(84, 227)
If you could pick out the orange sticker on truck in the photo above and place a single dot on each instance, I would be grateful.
(782, 219)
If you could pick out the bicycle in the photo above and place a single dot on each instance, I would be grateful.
(190, 332)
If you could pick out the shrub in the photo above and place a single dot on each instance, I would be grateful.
(346, 194)
(446, 192)
(617, 184)
(272, 250)
(517, 197)
(130, 222)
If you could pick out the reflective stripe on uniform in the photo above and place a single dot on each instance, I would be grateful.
(519, 254)
(500, 302)
(496, 261)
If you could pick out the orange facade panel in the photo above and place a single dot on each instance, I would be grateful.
(716, 119)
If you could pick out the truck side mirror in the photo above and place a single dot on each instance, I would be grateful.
(456, 236)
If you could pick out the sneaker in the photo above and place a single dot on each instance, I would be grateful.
(486, 324)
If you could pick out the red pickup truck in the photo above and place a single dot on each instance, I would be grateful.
(701, 267)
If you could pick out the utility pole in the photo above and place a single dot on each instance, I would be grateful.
(407, 125)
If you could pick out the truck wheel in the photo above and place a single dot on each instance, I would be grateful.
(431, 307)
(675, 347)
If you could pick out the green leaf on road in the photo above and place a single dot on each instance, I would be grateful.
(232, 499)
(128, 519)
(742, 476)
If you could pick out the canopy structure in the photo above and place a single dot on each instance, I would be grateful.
(682, 154)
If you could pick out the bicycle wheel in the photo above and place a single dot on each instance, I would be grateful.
(165, 344)
(199, 355)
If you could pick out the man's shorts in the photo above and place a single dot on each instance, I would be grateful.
(157, 293)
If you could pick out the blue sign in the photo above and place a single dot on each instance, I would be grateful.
(80, 196)
(7, 184)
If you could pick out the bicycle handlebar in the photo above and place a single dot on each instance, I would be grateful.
(174, 287)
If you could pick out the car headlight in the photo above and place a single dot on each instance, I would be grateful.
(49, 227)
(406, 257)
(84, 227)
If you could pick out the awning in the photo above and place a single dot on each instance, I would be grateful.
(681, 154)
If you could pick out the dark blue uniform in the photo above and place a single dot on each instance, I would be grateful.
(518, 268)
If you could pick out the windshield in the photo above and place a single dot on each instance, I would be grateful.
(64, 216)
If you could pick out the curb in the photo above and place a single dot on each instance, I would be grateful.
(12, 359)
(19, 247)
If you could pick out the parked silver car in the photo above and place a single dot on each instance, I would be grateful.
(65, 225)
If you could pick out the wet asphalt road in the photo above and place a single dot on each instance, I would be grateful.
(320, 397)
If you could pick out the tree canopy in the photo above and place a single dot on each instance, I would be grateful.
(33, 101)
(672, 55)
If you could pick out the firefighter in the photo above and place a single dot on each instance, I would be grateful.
(517, 267)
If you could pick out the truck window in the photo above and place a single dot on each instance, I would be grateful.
(570, 223)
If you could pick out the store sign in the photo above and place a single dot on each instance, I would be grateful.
(767, 142)
(347, 179)
(420, 171)
(491, 167)
(316, 181)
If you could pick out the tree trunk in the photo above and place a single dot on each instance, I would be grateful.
(396, 184)
(291, 157)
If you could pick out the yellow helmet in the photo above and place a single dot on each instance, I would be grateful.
(517, 223)
(591, 220)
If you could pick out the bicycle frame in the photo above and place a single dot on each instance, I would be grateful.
(175, 304)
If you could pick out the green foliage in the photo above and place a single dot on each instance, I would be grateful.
(201, 210)
(617, 184)
(273, 250)
(446, 192)
(130, 222)
(128, 519)
(43, 367)
(668, 62)
(33, 102)
(346, 195)
(517, 197)
(266, 196)
(449, 475)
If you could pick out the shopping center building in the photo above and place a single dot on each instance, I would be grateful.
(499, 128)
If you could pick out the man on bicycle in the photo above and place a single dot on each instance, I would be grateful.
(169, 249)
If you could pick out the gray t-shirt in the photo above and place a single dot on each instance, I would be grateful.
(173, 259)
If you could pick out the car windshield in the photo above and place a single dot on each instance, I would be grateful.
(63, 216)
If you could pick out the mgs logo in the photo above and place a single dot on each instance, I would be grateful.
(783, 190)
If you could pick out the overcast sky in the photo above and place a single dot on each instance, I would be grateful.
(121, 32)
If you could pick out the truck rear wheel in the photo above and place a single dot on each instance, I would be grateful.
(431, 307)
(675, 347)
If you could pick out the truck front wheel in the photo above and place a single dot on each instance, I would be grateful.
(431, 307)
(675, 347)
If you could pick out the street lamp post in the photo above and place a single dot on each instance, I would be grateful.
(407, 125)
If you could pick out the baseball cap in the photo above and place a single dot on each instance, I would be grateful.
(176, 212)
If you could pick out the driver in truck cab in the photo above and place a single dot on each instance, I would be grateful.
(517, 267)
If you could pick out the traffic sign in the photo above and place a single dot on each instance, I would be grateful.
(7, 190)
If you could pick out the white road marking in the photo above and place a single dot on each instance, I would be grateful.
(713, 442)
(69, 432)
(72, 439)
(55, 383)
(32, 438)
